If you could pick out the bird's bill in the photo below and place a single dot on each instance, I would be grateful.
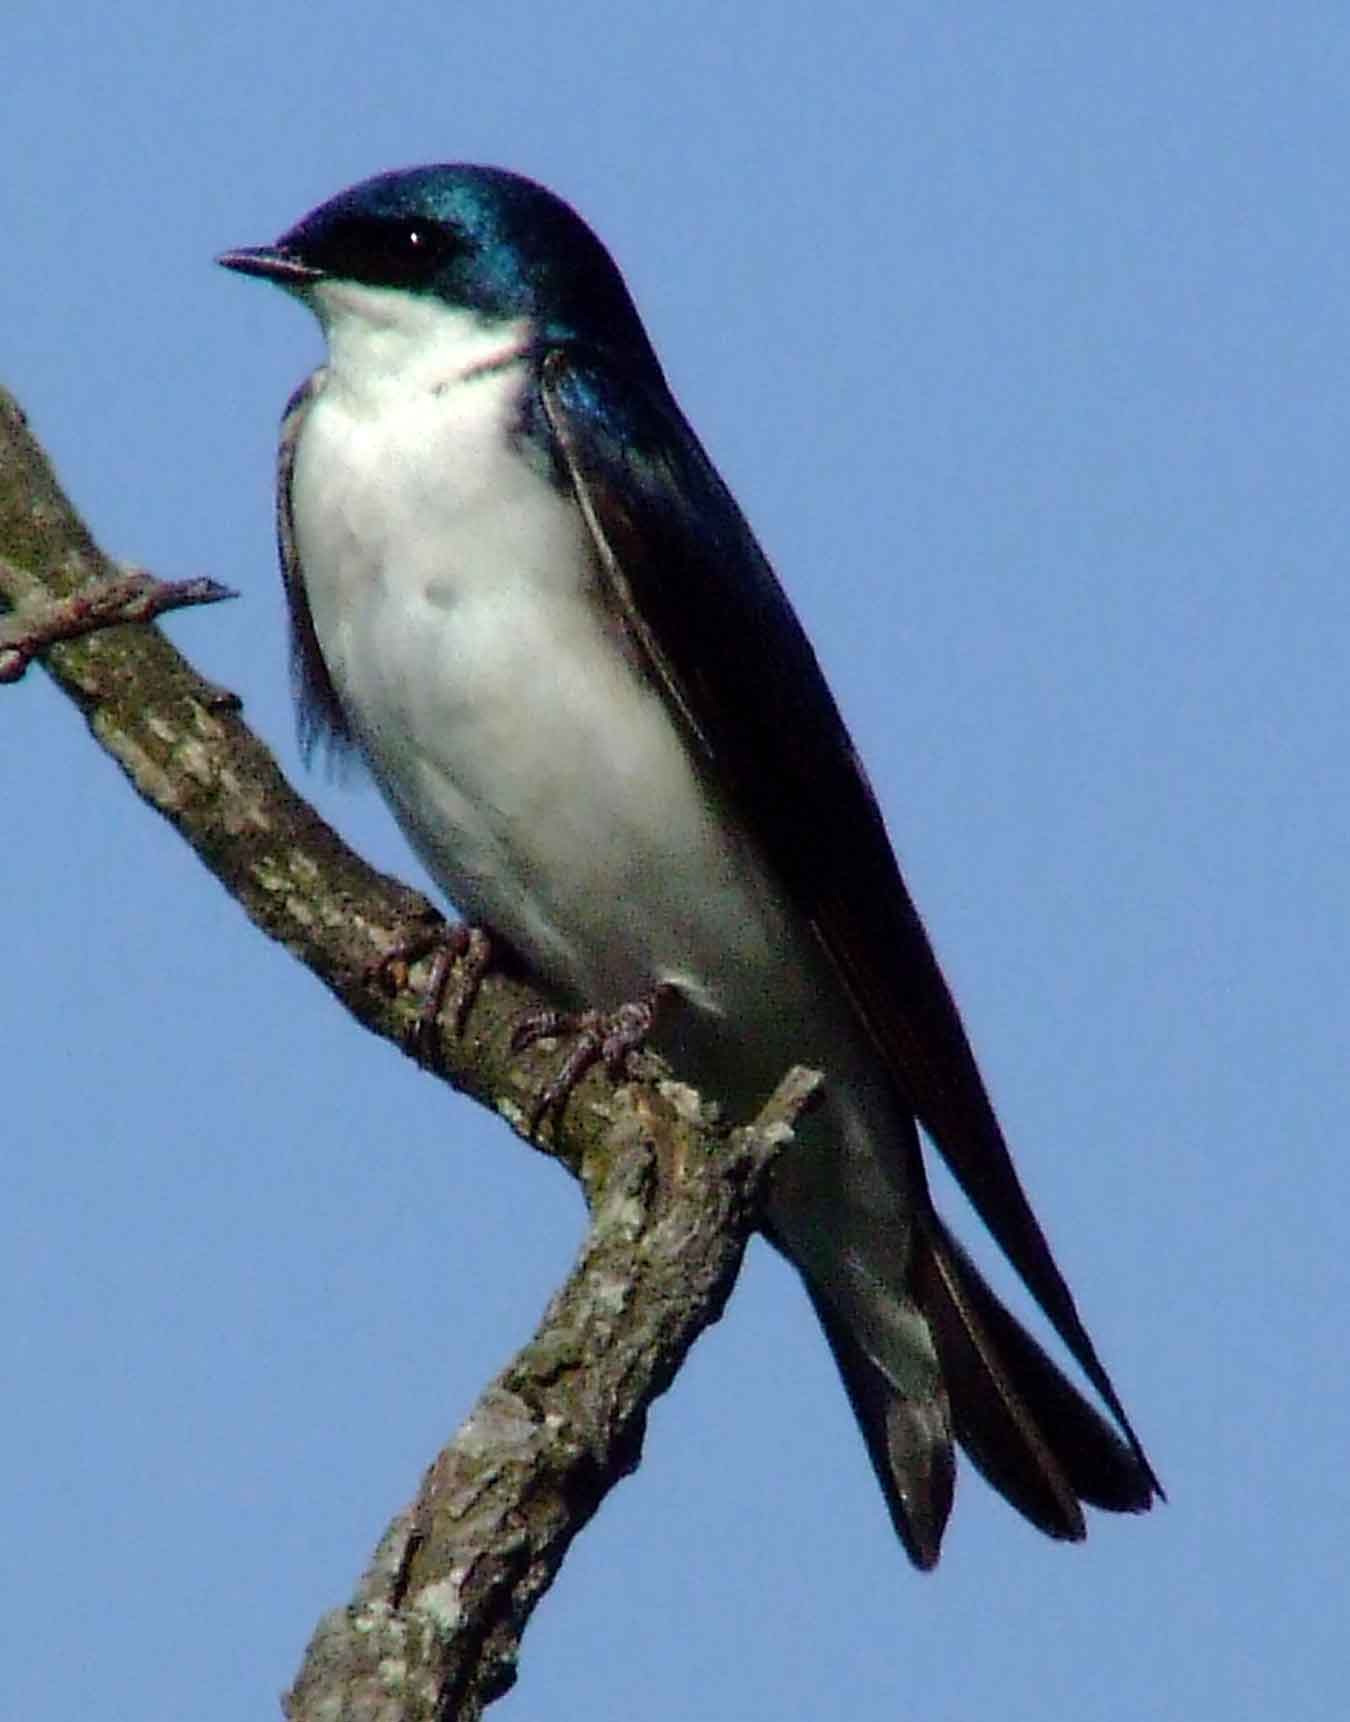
(270, 263)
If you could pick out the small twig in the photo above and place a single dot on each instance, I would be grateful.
(136, 596)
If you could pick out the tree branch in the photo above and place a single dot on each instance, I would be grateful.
(434, 1626)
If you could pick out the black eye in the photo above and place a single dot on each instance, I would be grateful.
(382, 251)
(425, 245)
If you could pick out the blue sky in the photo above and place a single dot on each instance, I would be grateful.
(1021, 335)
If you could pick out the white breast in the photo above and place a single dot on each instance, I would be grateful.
(540, 778)
(452, 589)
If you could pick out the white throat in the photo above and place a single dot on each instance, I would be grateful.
(384, 343)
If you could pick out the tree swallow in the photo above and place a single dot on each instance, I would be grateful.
(520, 590)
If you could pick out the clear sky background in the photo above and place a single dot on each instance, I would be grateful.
(1022, 334)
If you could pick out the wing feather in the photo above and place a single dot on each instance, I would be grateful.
(321, 721)
(702, 603)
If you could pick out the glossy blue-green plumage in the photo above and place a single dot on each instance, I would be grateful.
(513, 249)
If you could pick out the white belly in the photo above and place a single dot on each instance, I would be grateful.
(543, 782)
(537, 774)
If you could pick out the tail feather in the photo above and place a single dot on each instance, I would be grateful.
(909, 1440)
(1023, 1423)
(990, 1415)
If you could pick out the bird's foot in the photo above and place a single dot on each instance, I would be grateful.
(603, 1037)
(460, 957)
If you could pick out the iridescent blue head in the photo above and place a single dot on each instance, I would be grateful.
(475, 237)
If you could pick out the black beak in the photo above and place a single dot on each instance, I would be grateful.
(270, 263)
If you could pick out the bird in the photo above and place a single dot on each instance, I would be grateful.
(520, 591)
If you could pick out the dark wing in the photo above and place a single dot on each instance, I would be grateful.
(319, 716)
(703, 604)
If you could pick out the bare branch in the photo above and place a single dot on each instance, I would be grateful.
(434, 1627)
(186, 750)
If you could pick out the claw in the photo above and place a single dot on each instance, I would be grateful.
(603, 1037)
(460, 957)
